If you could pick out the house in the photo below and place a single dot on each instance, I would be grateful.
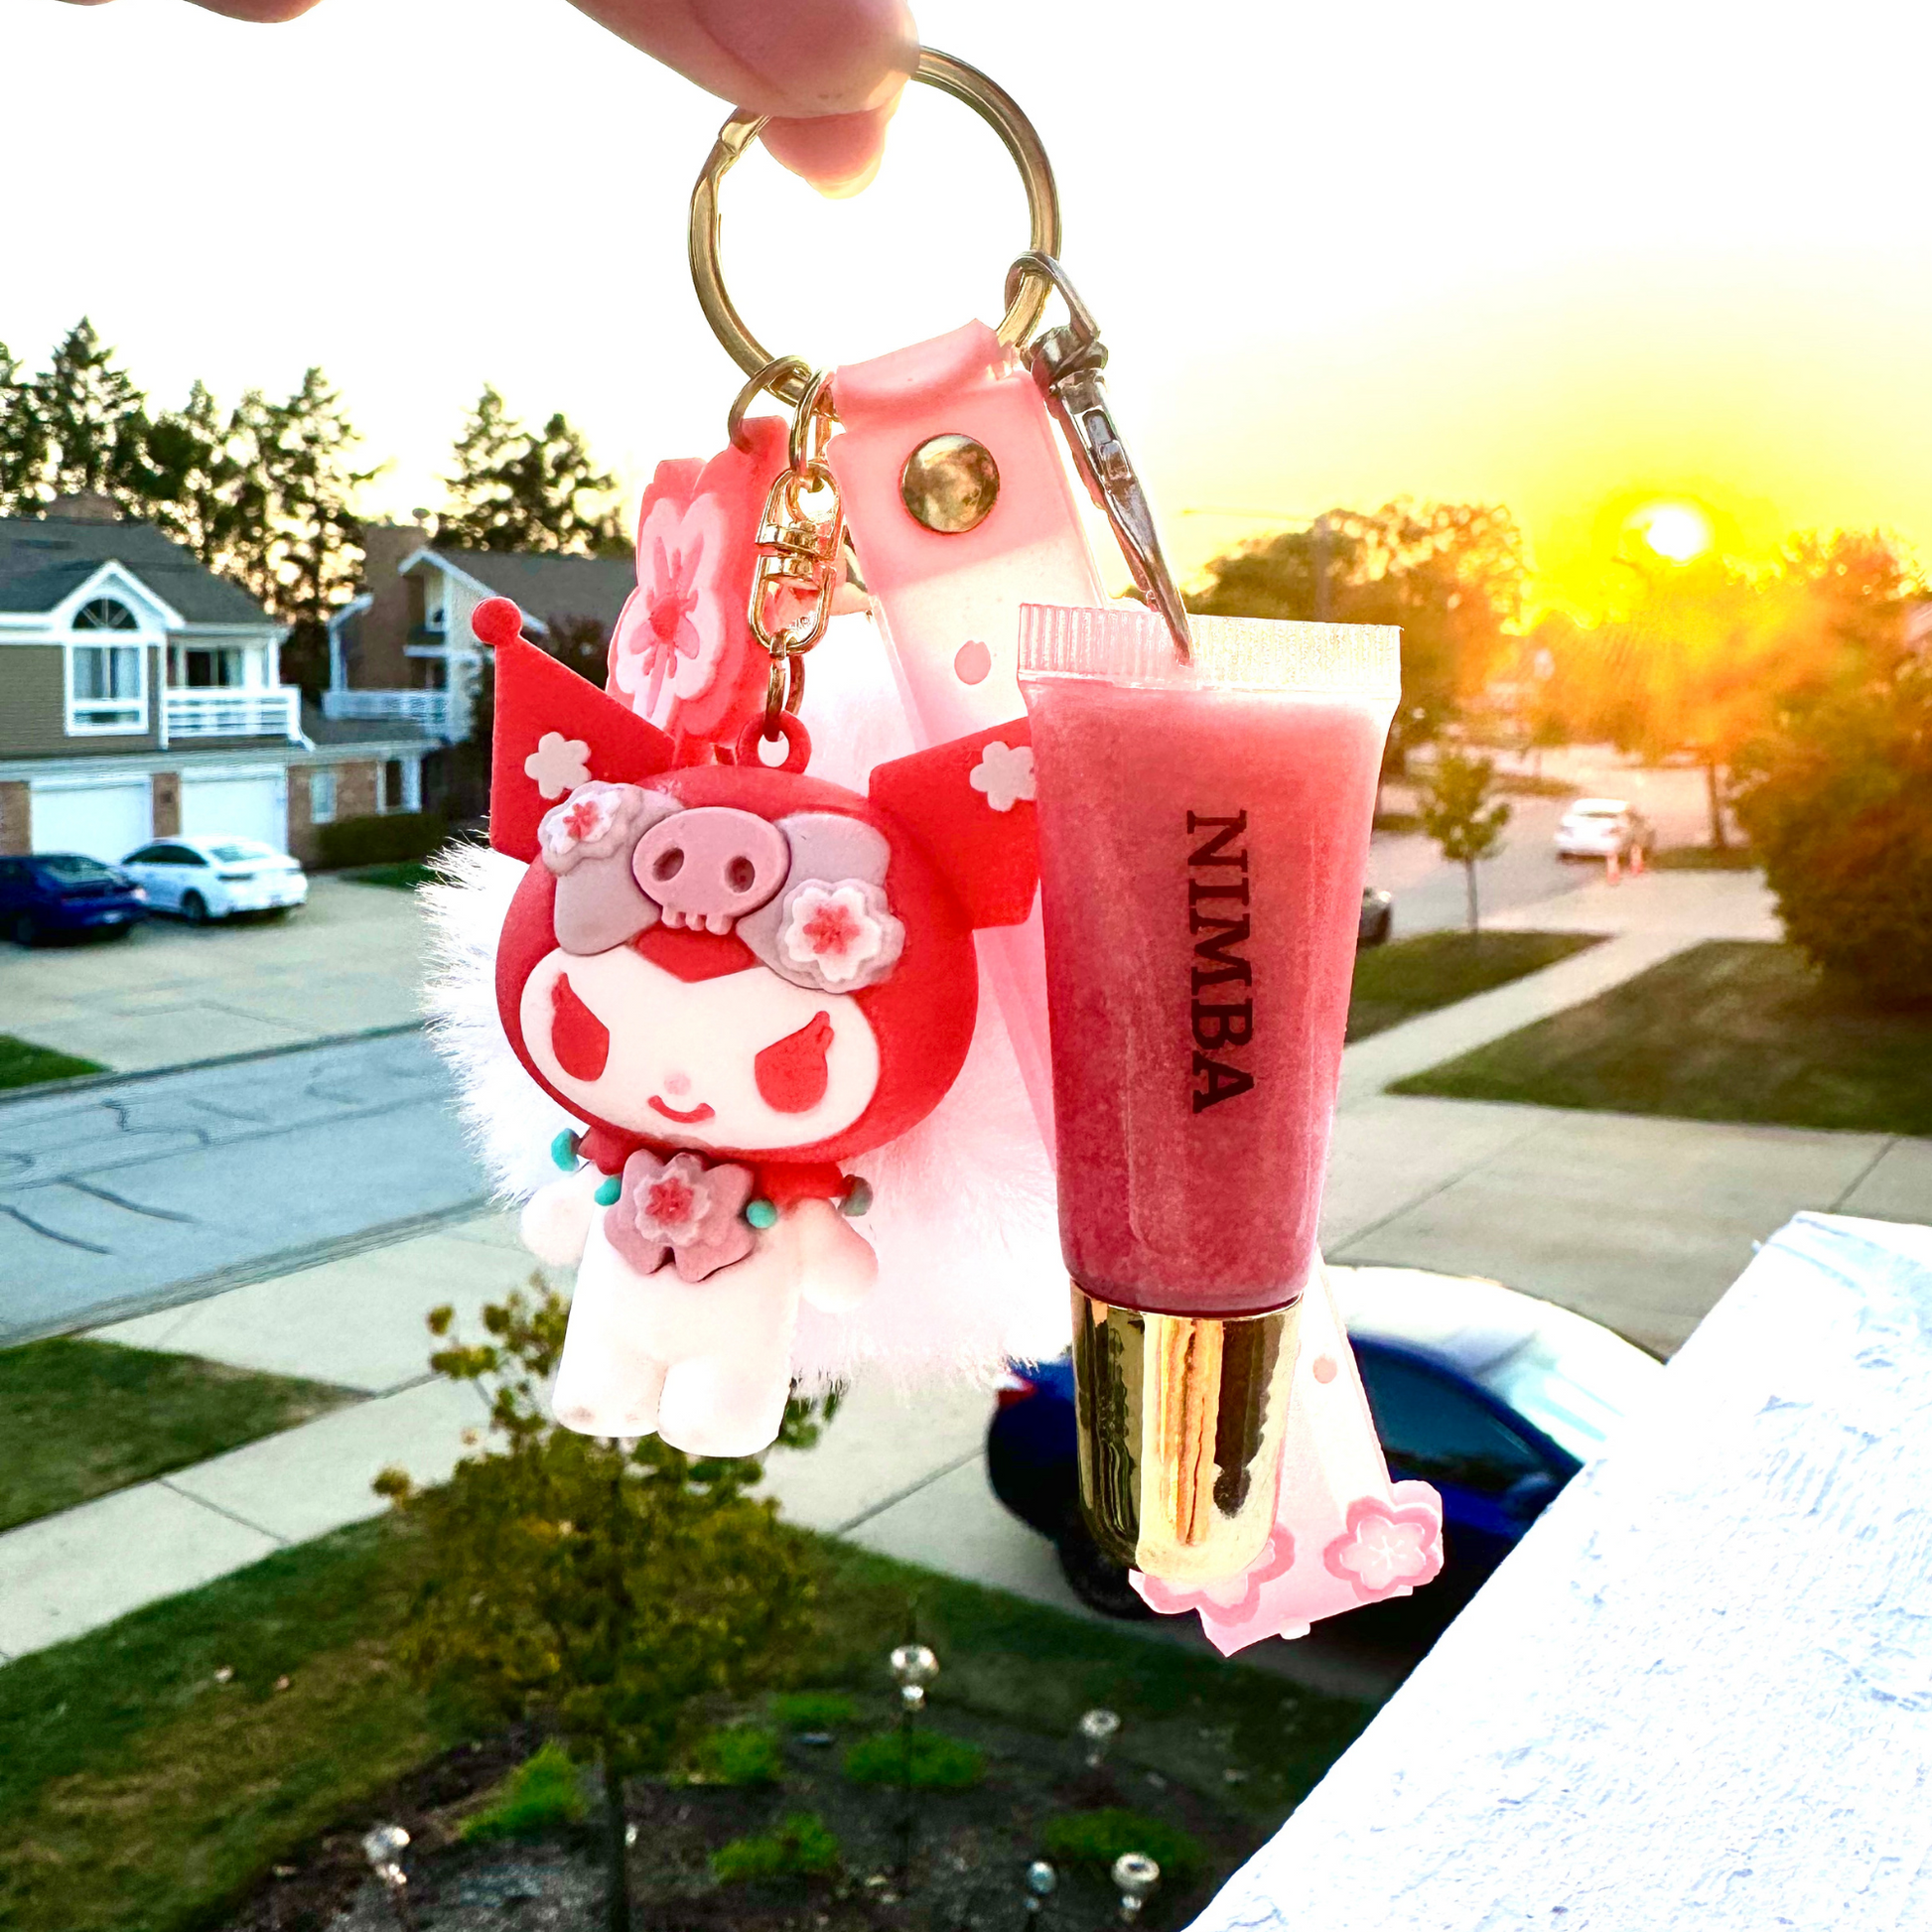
(404, 649)
(141, 698)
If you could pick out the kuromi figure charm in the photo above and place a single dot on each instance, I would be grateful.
(738, 978)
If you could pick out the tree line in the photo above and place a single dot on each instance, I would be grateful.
(263, 492)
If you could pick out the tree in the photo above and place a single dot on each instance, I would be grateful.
(23, 442)
(604, 1586)
(1700, 655)
(1457, 814)
(1837, 799)
(1449, 575)
(515, 490)
(93, 424)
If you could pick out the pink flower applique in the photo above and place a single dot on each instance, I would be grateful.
(682, 654)
(1228, 1601)
(1387, 1550)
(558, 765)
(680, 1205)
(591, 823)
(840, 933)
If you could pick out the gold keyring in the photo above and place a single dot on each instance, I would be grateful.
(991, 103)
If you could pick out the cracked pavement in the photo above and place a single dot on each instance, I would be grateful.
(134, 1193)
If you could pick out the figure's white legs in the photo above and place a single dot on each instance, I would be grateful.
(720, 1405)
(608, 1383)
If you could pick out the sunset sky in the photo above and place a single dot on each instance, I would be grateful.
(1573, 259)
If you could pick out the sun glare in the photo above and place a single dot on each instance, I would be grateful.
(1677, 531)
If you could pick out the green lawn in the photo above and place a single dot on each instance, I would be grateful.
(402, 875)
(136, 1791)
(23, 1064)
(1728, 1031)
(1703, 858)
(1394, 983)
(79, 1418)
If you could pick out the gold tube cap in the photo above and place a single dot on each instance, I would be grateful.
(1182, 1421)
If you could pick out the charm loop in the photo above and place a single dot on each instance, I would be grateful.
(784, 376)
(761, 380)
(799, 743)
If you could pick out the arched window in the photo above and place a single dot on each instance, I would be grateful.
(107, 685)
(105, 613)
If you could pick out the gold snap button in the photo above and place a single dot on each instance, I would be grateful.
(950, 485)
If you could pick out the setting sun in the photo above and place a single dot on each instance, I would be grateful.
(1677, 531)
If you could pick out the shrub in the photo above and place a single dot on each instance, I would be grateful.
(937, 1763)
(813, 1711)
(1097, 1838)
(543, 1794)
(798, 1846)
(1837, 804)
(741, 1754)
(379, 839)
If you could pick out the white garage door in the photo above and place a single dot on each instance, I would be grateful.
(236, 805)
(106, 818)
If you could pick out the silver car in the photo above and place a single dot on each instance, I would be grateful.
(1594, 828)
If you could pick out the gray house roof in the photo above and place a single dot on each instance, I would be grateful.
(45, 558)
(551, 587)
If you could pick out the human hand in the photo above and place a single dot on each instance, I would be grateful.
(829, 71)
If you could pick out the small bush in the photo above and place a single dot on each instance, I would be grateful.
(798, 1846)
(741, 1754)
(380, 839)
(813, 1711)
(938, 1763)
(1097, 1838)
(542, 1795)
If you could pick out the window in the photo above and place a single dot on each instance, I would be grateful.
(399, 785)
(322, 797)
(107, 686)
(212, 670)
(1435, 1431)
(104, 614)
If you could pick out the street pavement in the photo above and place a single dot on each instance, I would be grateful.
(125, 1194)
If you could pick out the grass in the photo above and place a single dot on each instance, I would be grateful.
(1703, 858)
(138, 1791)
(541, 1796)
(1407, 977)
(402, 875)
(798, 1846)
(1097, 1838)
(23, 1064)
(1730, 1031)
(927, 1761)
(79, 1418)
(1398, 823)
(741, 1754)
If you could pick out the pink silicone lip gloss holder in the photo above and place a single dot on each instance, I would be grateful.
(948, 601)
(1204, 833)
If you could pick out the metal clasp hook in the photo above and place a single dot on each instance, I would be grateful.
(1066, 361)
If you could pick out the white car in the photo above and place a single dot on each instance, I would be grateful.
(215, 878)
(1594, 828)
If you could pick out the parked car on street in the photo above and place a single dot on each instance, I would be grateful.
(55, 893)
(1594, 828)
(1378, 918)
(1495, 1398)
(216, 877)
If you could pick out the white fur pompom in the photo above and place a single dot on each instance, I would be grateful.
(963, 1214)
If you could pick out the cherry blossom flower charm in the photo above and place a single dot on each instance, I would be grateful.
(1387, 1551)
(680, 1206)
(591, 823)
(839, 936)
(682, 654)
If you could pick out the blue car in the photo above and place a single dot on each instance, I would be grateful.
(56, 894)
(1495, 1398)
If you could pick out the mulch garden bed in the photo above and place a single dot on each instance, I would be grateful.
(971, 1849)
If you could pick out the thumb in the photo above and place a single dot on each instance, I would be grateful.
(830, 71)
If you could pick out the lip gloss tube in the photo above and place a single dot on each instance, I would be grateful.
(1204, 834)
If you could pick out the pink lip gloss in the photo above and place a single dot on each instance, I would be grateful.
(1203, 831)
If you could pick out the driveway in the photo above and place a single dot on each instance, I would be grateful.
(171, 994)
